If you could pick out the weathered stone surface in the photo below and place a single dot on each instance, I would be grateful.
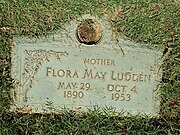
(62, 71)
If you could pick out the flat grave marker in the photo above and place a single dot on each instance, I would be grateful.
(81, 67)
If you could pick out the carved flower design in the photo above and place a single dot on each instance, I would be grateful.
(33, 62)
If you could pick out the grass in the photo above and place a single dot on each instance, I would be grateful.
(155, 22)
(91, 123)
